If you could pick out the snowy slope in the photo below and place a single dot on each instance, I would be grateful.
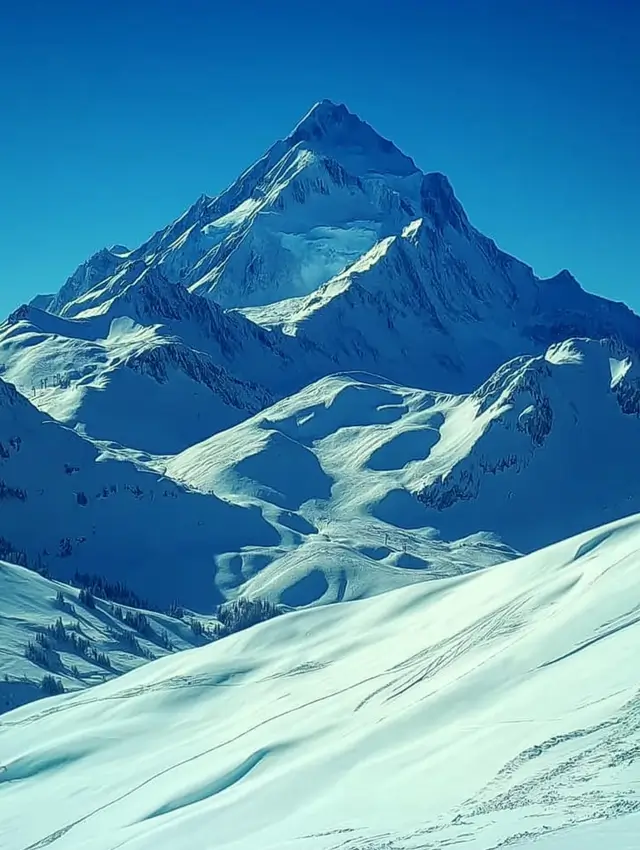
(554, 436)
(322, 466)
(395, 472)
(47, 630)
(485, 711)
(67, 505)
(70, 504)
(137, 350)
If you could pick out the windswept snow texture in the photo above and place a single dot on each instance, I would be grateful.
(485, 710)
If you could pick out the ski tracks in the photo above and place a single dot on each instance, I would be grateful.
(428, 662)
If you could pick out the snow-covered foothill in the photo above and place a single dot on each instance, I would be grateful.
(366, 461)
(68, 504)
(72, 504)
(123, 366)
(54, 636)
(349, 488)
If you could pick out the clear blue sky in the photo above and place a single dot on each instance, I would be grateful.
(117, 115)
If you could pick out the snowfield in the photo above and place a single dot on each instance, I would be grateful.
(461, 711)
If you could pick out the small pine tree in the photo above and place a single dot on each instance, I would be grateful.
(243, 613)
(86, 598)
(51, 686)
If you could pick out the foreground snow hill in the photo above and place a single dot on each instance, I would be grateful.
(488, 709)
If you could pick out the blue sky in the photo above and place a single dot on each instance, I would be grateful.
(117, 115)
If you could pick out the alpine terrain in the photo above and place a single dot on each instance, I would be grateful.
(324, 400)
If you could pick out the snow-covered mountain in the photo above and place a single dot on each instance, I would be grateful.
(139, 348)
(356, 457)
(322, 487)
(440, 307)
(323, 385)
(556, 436)
(344, 256)
(311, 205)
(489, 710)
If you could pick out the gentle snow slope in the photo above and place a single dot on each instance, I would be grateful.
(499, 704)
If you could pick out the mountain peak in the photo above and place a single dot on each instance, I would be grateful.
(321, 119)
(440, 203)
(332, 130)
(564, 278)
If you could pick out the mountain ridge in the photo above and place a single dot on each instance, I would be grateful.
(158, 357)
(249, 239)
